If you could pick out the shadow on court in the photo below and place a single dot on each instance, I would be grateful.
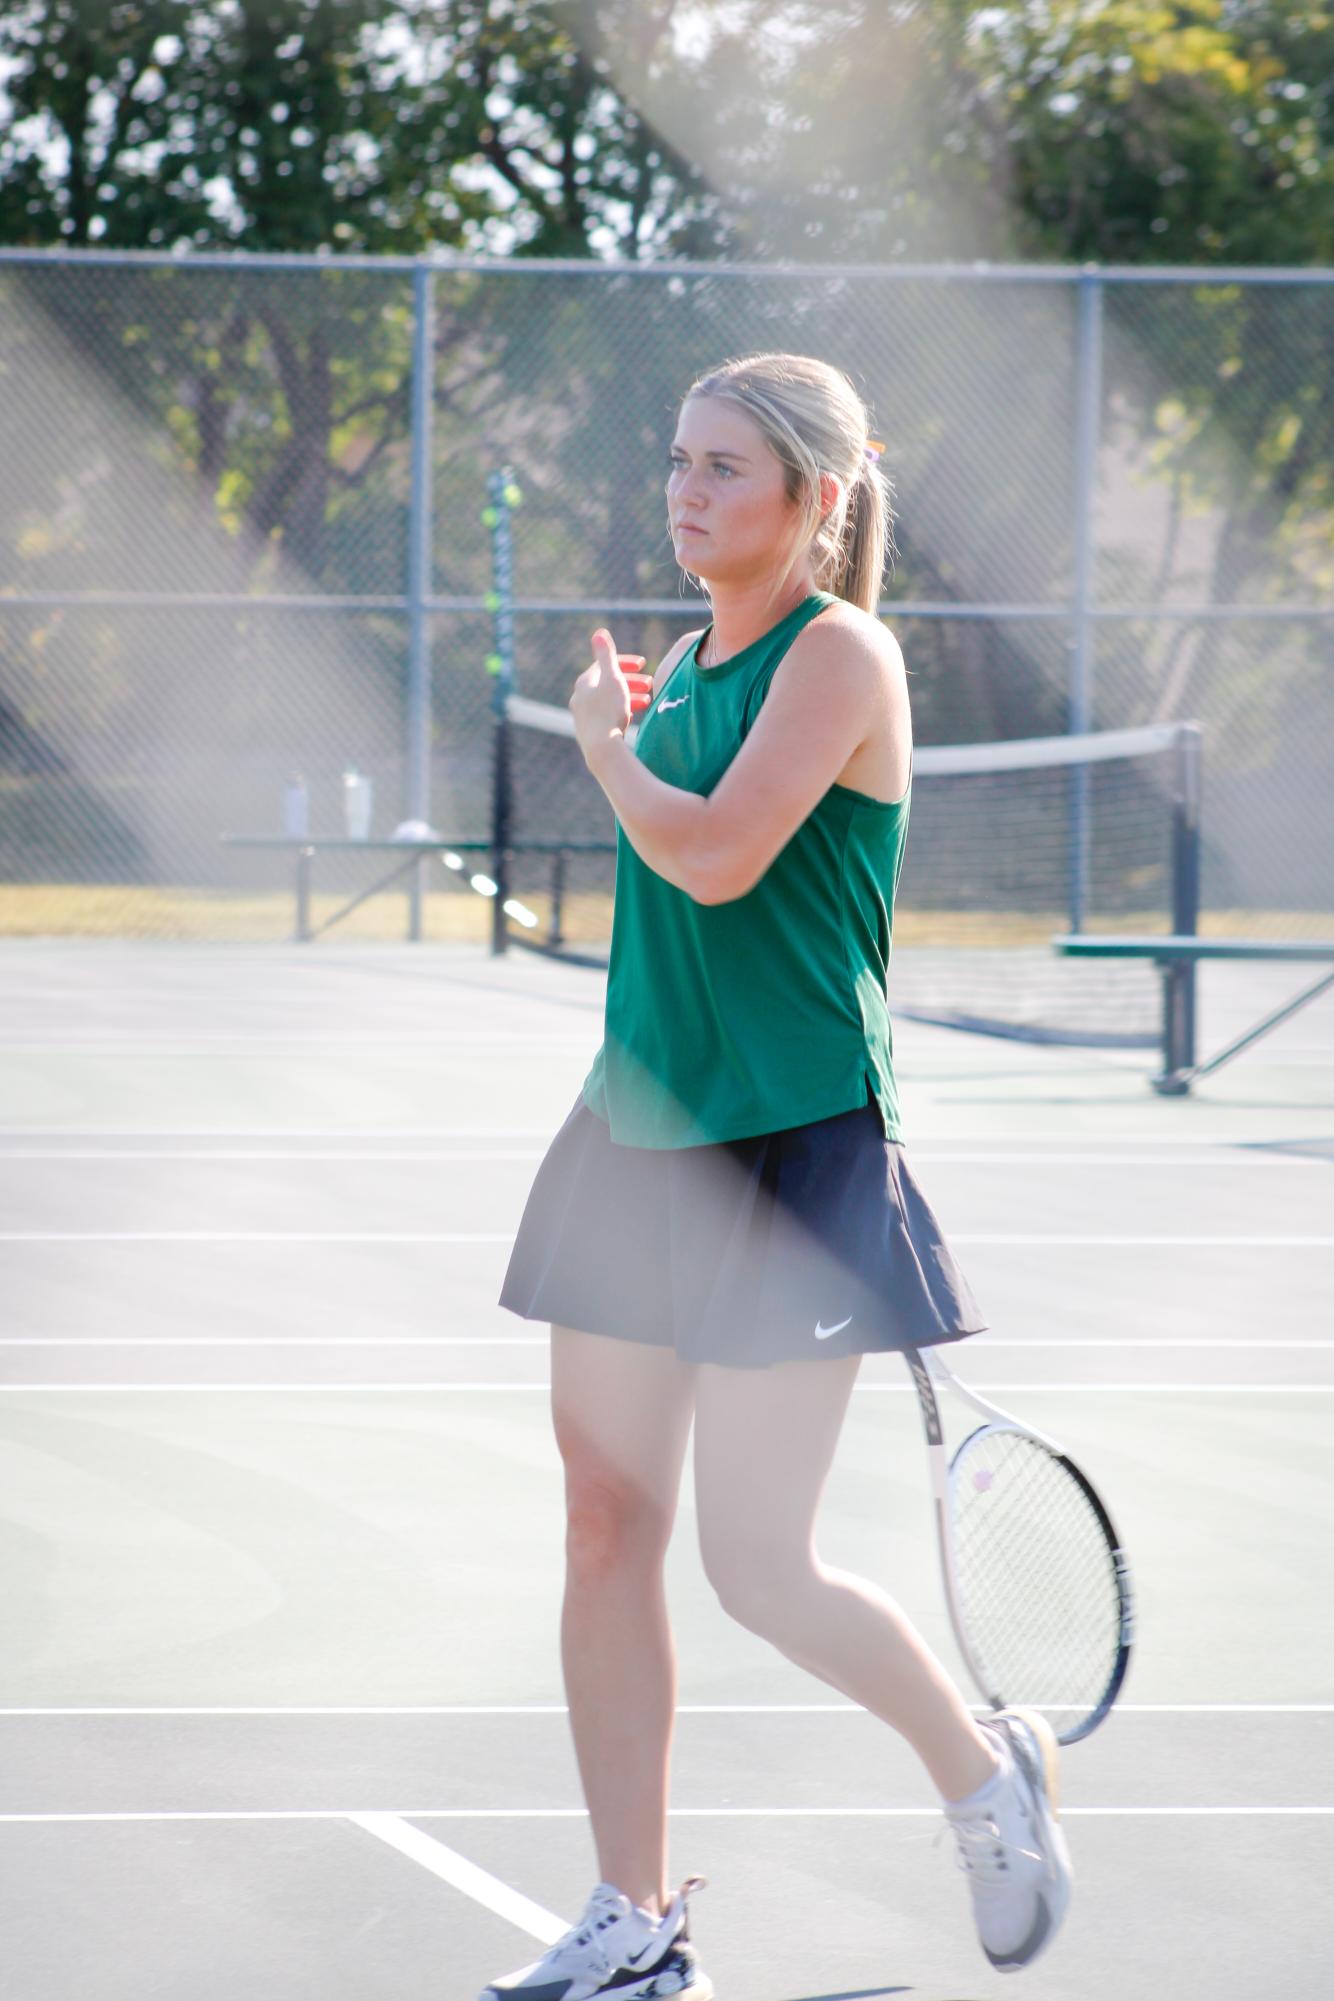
(853, 1994)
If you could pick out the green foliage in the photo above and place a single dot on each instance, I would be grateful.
(258, 124)
(368, 125)
(1192, 133)
(764, 130)
(1078, 129)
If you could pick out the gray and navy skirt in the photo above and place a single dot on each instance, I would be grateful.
(812, 1241)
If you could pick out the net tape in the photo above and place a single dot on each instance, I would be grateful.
(945, 760)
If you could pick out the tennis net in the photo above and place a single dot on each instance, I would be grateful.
(1009, 844)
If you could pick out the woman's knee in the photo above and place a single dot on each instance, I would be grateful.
(621, 1416)
(758, 1581)
(610, 1523)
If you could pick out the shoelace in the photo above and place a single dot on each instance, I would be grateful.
(580, 1939)
(981, 1848)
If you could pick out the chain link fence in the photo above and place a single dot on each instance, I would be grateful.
(1116, 506)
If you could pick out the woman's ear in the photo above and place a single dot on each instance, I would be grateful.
(830, 492)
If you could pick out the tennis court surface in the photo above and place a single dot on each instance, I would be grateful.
(282, 1711)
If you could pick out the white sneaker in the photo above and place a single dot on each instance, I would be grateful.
(616, 1949)
(1010, 1845)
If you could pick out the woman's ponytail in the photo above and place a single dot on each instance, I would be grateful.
(868, 540)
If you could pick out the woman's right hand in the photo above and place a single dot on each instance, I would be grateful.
(606, 696)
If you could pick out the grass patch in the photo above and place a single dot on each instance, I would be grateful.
(453, 916)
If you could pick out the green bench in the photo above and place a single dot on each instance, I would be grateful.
(1176, 957)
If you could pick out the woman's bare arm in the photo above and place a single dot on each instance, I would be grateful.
(834, 687)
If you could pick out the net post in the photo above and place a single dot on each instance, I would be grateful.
(501, 495)
(1186, 788)
(419, 578)
(1180, 977)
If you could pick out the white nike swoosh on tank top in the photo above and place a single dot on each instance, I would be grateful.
(675, 703)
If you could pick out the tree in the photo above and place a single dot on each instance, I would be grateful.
(369, 125)
(302, 125)
(793, 130)
(1144, 132)
(1197, 134)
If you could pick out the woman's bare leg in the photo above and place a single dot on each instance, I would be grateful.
(622, 1416)
(764, 1442)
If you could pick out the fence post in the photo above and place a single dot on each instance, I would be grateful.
(1088, 400)
(418, 746)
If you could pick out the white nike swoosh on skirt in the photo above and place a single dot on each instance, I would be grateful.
(822, 1332)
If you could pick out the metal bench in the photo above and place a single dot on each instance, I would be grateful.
(1176, 957)
(409, 851)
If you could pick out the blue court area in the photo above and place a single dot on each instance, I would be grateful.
(281, 1709)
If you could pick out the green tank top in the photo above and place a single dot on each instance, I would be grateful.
(728, 1020)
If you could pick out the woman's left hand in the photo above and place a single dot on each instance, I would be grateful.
(604, 699)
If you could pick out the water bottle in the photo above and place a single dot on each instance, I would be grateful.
(296, 809)
(356, 804)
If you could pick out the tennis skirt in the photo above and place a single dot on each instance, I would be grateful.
(812, 1241)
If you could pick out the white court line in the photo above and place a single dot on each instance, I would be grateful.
(673, 1813)
(284, 1132)
(1254, 1243)
(258, 1237)
(1308, 1163)
(1159, 1143)
(454, 1868)
(1260, 1345)
(507, 1236)
(324, 1159)
(473, 1709)
(524, 1389)
(148, 1042)
(154, 1042)
(342, 1341)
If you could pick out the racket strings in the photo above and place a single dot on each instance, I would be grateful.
(1035, 1577)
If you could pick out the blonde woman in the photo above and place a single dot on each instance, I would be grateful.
(727, 1222)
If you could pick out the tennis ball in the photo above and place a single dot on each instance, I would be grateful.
(513, 495)
(492, 600)
(494, 664)
(490, 516)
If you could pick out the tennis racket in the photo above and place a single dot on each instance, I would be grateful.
(1036, 1580)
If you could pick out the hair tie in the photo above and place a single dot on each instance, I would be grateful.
(874, 449)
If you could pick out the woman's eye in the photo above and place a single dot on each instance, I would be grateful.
(679, 465)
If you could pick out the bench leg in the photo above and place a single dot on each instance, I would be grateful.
(1271, 1021)
(557, 935)
(303, 865)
